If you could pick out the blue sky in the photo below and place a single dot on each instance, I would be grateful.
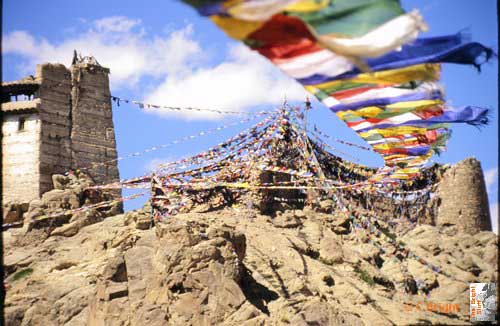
(162, 52)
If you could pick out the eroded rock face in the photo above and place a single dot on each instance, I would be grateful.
(234, 267)
(181, 273)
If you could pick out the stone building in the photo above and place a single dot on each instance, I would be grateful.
(58, 120)
(462, 198)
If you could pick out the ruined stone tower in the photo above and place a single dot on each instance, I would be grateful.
(463, 200)
(58, 120)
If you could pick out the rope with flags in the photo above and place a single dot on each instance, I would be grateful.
(376, 76)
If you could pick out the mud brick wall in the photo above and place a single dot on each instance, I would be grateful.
(20, 157)
(92, 134)
(463, 200)
(55, 113)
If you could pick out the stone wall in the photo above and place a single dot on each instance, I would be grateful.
(92, 134)
(20, 157)
(55, 113)
(462, 198)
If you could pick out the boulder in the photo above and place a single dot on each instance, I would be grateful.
(326, 206)
(140, 219)
(331, 249)
(61, 199)
(286, 220)
(61, 182)
(12, 212)
(77, 222)
(237, 239)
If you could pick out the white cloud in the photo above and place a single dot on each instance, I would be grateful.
(176, 59)
(243, 81)
(490, 178)
(494, 217)
(19, 42)
(116, 42)
(118, 24)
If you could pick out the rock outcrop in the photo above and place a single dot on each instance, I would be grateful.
(238, 267)
(57, 210)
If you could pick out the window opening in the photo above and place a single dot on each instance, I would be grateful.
(22, 121)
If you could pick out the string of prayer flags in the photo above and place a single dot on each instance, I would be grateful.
(454, 48)
(362, 59)
(280, 147)
(143, 106)
(278, 29)
(203, 133)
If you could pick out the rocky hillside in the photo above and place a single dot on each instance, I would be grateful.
(237, 267)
